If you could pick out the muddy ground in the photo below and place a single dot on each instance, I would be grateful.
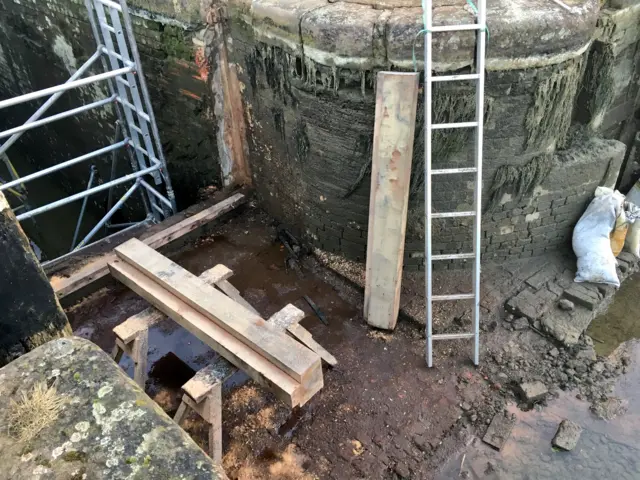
(382, 412)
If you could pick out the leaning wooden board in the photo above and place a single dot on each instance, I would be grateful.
(263, 371)
(294, 359)
(396, 100)
(98, 269)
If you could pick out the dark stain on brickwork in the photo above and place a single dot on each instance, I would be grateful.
(302, 141)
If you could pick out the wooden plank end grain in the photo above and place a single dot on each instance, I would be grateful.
(294, 359)
(394, 127)
(207, 378)
(286, 316)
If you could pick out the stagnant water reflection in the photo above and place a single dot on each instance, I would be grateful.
(606, 450)
(621, 322)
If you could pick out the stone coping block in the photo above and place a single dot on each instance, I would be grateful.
(349, 35)
(107, 427)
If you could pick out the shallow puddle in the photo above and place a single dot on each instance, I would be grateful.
(621, 321)
(606, 449)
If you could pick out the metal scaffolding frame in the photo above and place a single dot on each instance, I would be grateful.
(136, 129)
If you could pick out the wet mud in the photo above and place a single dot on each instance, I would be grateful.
(381, 414)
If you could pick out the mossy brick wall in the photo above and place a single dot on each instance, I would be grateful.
(311, 126)
(42, 43)
(610, 95)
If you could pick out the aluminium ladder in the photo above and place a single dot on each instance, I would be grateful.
(478, 78)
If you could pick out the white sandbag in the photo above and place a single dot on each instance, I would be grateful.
(591, 243)
(600, 191)
(634, 194)
(632, 240)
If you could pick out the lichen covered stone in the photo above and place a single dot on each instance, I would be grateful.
(107, 427)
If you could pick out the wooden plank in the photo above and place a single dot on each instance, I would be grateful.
(294, 359)
(287, 319)
(242, 356)
(288, 315)
(132, 326)
(234, 294)
(206, 378)
(396, 100)
(98, 269)
(303, 335)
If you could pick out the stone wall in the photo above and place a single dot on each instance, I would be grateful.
(42, 43)
(31, 314)
(305, 71)
(308, 70)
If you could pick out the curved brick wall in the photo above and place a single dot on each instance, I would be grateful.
(307, 69)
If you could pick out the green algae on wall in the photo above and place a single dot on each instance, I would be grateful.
(598, 85)
(549, 117)
(448, 106)
(176, 42)
(519, 181)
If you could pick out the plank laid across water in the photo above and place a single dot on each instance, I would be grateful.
(294, 359)
(396, 100)
(97, 269)
(263, 371)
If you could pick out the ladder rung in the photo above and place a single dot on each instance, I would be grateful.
(127, 63)
(456, 296)
(452, 214)
(441, 126)
(132, 107)
(446, 171)
(454, 28)
(123, 81)
(110, 4)
(137, 129)
(452, 336)
(107, 27)
(453, 256)
(454, 78)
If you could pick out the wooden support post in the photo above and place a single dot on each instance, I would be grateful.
(182, 409)
(132, 335)
(203, 394)
(214, 413)
(140, 352)
(116, 353)
(153, 271)
(396, 100)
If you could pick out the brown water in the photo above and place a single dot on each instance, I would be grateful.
(607, 449)
(621, 322)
